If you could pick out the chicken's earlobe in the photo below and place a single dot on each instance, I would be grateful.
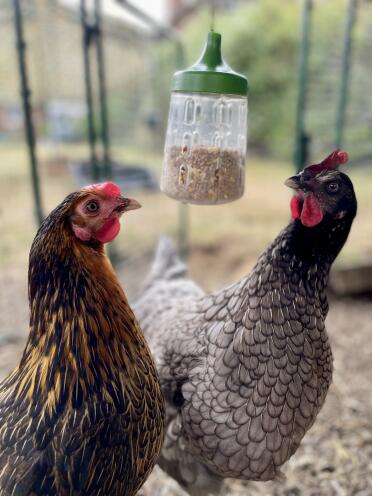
(81, 232)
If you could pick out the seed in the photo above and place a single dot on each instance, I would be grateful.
(204, 175)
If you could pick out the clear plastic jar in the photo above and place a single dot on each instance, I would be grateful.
(205, 148)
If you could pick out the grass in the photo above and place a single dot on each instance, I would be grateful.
(226, 238)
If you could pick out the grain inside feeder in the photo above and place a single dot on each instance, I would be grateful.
(205, 148)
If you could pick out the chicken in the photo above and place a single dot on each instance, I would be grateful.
(245, 370)
(82, 413)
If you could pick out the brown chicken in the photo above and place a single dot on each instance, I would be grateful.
(245, 370)
(82, 413)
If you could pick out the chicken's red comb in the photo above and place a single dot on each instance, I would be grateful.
(108, 188)
(336, 158)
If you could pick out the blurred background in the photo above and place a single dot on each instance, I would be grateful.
(84, 94)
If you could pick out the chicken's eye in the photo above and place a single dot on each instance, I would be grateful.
(333, 187)
(92, 207)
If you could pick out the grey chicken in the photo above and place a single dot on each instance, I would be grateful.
(245, 370)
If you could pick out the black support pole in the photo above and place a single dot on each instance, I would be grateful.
(88, 32)
(301, 138)
(27, 109)
(107, 169)
(345, 68)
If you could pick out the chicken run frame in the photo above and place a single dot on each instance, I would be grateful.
(347, 58)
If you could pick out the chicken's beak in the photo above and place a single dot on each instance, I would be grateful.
(126, 204)
(132, 204)
(293, 182)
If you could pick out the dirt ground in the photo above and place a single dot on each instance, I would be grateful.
(335, 458)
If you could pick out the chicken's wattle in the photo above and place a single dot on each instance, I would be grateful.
(307, 209)
(296, 207)
(109, 230)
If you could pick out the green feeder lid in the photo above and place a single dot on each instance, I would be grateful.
(210, 74)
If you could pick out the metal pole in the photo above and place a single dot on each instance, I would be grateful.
(183, 230)
(302, 139)
(27, 109)
(345, 69)
(88, 31)
(107, 169)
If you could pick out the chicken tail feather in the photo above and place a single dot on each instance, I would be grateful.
(167, 264)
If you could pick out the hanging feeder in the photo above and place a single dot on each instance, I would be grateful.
(205, 148)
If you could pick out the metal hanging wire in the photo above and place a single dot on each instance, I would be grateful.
(213, 13)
